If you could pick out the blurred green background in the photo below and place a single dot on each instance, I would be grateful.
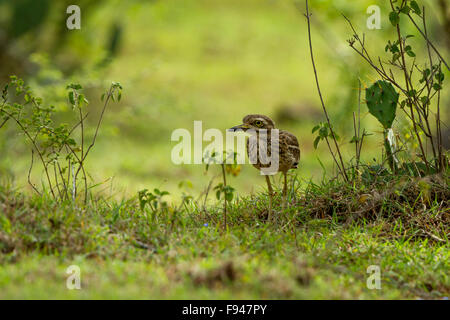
(186, 60)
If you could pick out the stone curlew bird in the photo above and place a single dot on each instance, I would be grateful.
(264, 135)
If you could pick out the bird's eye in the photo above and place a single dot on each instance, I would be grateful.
(258, 123)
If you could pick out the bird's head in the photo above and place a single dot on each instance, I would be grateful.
(255, 122)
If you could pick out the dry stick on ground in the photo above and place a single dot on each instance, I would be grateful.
(341, 166)
(33, 142)
(424, 35)
(225, 197)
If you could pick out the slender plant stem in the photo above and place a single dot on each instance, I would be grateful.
(29, 173)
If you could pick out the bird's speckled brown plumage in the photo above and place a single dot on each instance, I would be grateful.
(289, 151)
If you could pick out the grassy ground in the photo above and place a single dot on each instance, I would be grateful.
(320, 248)
(216, 61)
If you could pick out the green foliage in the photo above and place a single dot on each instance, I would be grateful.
(394, 18)
(229, 165)
(405, 8)
(415, 7)
(27, 15)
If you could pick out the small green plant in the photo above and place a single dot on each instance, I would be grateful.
(228, 164)
(382, 99)
(325, 133)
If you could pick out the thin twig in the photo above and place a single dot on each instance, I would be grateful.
(428, 41)
(29, 173)
(408, 82)
(225, 197)
(344, 174)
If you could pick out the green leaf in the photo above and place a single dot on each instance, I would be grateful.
(315, 128)
(415, 7)
(405, 9)
(394, 18)
(316, 142)
(382, 99)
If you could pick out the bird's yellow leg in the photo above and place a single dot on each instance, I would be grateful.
(285, 191)
(269, 187)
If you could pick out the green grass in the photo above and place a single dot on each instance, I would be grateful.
(124, 252)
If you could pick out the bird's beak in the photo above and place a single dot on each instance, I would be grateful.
(243, 127)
